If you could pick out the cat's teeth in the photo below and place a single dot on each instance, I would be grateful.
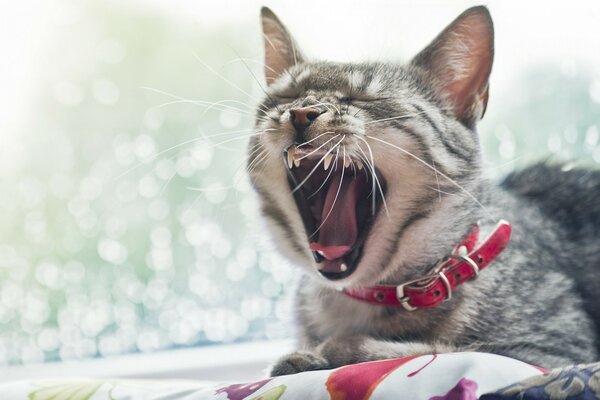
(297, 162)
(320, 253)
(343, 267)
(347, 162)
(359, 164)
(327, 161)
(290, 158)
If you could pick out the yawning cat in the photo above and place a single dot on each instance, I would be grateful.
(369, 176)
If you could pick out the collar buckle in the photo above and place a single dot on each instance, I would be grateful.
(438, 273)
(468, 260)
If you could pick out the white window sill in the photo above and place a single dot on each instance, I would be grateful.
(222, 363)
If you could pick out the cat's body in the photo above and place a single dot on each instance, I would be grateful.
(537, 302)
(409, 134)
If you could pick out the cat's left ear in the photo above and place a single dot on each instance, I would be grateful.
(459, 61)
(281, 51)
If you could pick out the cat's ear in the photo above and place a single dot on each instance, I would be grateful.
(281, 51)
(459, 61)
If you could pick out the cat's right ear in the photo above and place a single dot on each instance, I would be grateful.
(281, 51)
(459, 61)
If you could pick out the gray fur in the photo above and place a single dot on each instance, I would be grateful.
(536, 302)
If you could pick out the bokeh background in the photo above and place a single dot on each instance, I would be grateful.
(126, 221)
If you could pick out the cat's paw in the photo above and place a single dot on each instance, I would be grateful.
(339, 351)
(298, 361)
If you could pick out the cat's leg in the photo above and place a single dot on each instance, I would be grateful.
(339, 351)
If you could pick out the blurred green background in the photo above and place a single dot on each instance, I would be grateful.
(126, 221)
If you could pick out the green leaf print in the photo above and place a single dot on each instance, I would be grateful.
(67, 391)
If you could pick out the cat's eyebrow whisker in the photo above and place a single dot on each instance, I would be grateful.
(489, 215)
(233, 85)
(318, 148)
(393, 118)
(317, 165)
(257, 81)
(375, 179)
(262, 64)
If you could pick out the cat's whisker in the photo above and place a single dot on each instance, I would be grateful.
(337, 193)
(210, 105)
(500, 166)
(317, 165)
(318, 148)
(236, 138)
(218, 105)
(261, 156)
(313, 139)
(394, 118)
(360, 109)
(437, 181)
(325, 180)
(202, 137)
(164, 187)
(376, 183)
(440, 191)
(489, 215)
(208, 189)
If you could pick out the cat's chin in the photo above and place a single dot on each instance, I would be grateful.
(338, 197)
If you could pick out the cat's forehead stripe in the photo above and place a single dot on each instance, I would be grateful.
(328, 77)
(356, 80)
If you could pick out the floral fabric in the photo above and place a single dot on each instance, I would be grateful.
(455, 376)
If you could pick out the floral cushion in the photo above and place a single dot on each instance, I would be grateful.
(455, 376)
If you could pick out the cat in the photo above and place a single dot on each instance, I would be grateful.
(371, 174)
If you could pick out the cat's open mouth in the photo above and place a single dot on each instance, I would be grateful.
(338, 198)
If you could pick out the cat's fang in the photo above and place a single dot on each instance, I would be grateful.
(290, 158)
(359, 165)
(296, 162)
(327, 161)
(343, 267)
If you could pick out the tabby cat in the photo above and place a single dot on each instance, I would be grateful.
(371, 174)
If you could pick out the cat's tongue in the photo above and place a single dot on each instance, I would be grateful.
(339, 228)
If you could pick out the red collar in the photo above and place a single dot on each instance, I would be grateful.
(435, 287)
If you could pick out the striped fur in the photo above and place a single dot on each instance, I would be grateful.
(418, 121)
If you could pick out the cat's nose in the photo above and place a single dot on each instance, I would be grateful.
(303, 117)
